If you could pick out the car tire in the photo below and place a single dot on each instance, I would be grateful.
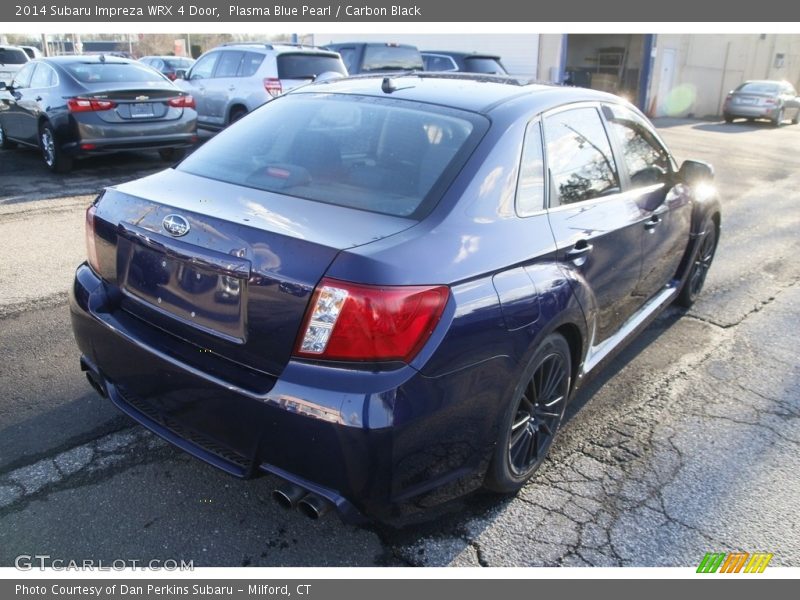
(698, 270)
(728, 118)
(778, 120)
(5, 143)
(532, 418)
(236, 114)
(52, 154)
(172, 154)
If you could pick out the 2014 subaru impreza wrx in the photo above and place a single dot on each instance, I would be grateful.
(385, 290)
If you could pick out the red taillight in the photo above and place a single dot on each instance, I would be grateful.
(77, 105)
(273, 86)
(352, 322)
(91, 247)
(770, 101)
(181, 102)
(172, 76)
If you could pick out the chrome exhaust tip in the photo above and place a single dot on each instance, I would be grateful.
(314, 507)
(288, 495)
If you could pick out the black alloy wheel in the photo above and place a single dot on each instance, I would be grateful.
(533, 418)
(700, 266)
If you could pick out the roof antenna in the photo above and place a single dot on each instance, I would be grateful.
(388, 86)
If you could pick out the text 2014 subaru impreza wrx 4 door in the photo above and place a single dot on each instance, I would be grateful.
(386, 290)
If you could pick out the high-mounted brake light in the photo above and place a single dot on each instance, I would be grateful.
(182, 102)
(352, 322)
(77, 105)
(91, 247)
(273, 86)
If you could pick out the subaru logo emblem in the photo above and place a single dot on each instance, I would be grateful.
(175, 225)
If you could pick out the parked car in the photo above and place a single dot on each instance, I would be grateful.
(169, 66)
(12, 59)
(468, 62)
(73, 106)
(386, 290)
(234, 79)
(32, 52)
(366, 57)
(773, 100)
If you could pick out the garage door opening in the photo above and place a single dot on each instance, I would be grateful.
(616, 63)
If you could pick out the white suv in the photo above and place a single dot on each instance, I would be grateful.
(12, 59)
(233, 79)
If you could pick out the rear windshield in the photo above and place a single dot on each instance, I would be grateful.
(391, 58)
(178, 63)
(96, 72)
(477, 64)
(12, 56)
(759, 88)
(381, 155)
(308, 66)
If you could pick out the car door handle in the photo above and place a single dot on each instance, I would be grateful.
(652, 222)
(582, 248)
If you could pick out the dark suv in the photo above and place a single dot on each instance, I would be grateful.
(363, 57)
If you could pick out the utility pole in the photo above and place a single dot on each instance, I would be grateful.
(45, 48)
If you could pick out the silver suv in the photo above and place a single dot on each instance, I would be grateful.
(12, 59)
(233, 79)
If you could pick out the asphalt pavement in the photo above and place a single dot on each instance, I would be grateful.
(686, 444)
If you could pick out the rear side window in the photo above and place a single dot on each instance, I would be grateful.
(438, 62)
(530, 187)
(384, 156)
(478, 64)
(349, 57)
(112, 73)
(23, 76)
(646, 160)
(250, 64)
(228, 64)
(579, 160)
(43, 77)
(391, 58)
(12, 56)
(308, 66)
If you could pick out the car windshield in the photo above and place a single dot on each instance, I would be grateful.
(759, 87)
(391, 58)
(308, 66)
(381, 155)
(484, 64)
(12, 56)
(99, 72)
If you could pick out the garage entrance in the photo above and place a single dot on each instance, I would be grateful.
(616, 63)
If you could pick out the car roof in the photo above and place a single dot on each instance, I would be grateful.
(461, 54)
(87, 58)
(466, 91)
(279, 47)
(387, 44)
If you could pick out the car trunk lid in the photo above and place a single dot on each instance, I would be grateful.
(236, 283)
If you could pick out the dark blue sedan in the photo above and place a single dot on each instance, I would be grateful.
(385, 290)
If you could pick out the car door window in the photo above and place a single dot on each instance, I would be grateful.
(437, 62)
(228, 64)
(349, 56)
(579, 159)
(23, 77)
(250, 63)
(43, 77)
(204, 67)
(646, 160)
(530, 186)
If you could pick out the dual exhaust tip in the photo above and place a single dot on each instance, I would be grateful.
(291, 496)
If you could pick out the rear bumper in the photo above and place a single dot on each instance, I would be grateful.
(104, 137)
(751, 112)
(376, 444)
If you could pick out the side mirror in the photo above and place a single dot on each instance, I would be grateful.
(180, 73)
(695, 171)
